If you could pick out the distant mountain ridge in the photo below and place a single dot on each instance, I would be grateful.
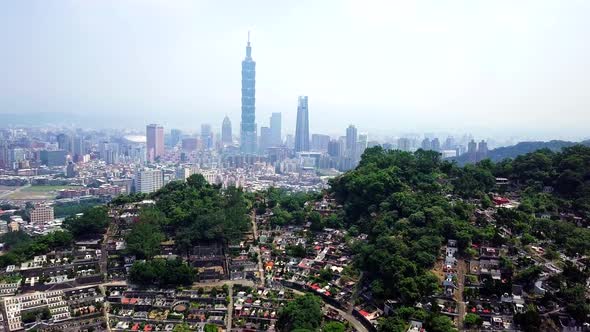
(521, 148)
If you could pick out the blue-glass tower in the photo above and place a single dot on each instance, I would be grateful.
(248, 134)
(302, 126)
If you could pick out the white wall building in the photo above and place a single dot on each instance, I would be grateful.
(148, 180)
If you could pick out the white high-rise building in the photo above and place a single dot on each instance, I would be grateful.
(148, 180)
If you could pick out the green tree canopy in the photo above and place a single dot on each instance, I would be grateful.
(145, 236)
(162, 272)
(334, 327)
(91, 223)
(305, 312)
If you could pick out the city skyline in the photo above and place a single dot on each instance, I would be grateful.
(488, 93)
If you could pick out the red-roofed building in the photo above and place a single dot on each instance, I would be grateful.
(501, 200)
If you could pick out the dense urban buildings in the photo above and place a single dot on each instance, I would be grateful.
(175, 135)
(190, 144)
(320, 142)
(248, 132)
(206, 136)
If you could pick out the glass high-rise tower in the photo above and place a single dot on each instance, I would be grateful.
(302, 126)
(351, 141)
(226, 136)
(248, 134)
(275, 129)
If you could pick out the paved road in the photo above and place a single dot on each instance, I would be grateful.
(350, 318)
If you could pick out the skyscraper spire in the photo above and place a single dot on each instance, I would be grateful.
(248, 47)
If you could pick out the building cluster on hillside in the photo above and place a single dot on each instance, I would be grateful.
(163, 310)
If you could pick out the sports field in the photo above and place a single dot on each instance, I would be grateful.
(35, 192)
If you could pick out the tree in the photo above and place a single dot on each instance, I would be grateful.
(577, 305)
(439, 323)
(183, 327)
(392, 324)
(129, 198)
(316, 220)
(210, 328)
(305, 312)
(12, 238)
(529, 321)
(92, 222)
(528, 275)
(472, 320)
(196, 181)
(145, 236)
(474, 181)
(326, 275)
(296, 251)
(161, 272)
(334, 327)
(22, 247)
(198, 211)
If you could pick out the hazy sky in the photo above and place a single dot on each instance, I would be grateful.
(387, 66)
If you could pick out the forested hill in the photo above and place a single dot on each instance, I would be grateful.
(409, 204)
(513, 151)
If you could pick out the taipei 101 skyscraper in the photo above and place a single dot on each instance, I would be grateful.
(248, 134)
